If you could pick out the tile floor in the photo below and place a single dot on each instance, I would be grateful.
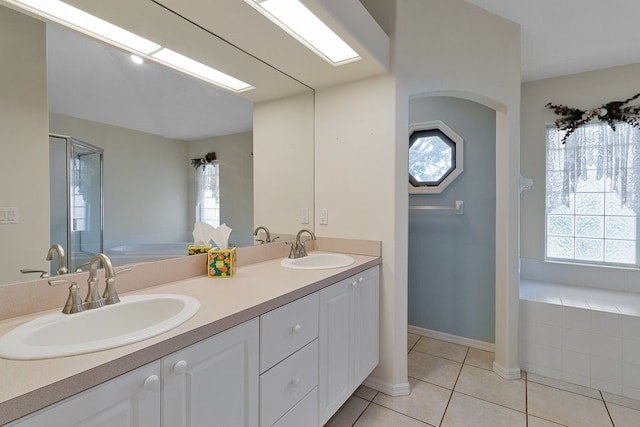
(453, 385)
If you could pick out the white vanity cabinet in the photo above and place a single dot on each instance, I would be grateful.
(132, 399)
(213, 382)
(289, 364)
(348, 338)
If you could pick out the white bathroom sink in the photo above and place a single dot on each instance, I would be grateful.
(318, 261)
(133, 319)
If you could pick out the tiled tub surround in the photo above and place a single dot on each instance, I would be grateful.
(259, 285)
(585, 336)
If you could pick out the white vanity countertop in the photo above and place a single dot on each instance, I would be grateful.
(26, 386)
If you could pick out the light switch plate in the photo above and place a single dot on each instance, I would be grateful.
(324, 216)
(8, 215)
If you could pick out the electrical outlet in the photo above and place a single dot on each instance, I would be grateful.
(304, 212)
(324, 216)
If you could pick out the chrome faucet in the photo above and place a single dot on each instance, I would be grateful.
(93, 299)
(56, 248)
(297, 249)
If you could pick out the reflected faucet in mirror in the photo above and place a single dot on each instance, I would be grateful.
(267, 238)
(93, 299)
(62, 268)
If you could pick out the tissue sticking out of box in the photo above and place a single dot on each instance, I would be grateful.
(220, 236)
(202, 234)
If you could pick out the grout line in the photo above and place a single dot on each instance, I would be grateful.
(526, 399)
(606, 407)
(363, 411)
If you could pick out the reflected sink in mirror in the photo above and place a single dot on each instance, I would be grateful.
(316, 261)
(133, 319)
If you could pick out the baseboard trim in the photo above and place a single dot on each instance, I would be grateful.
(390, 389)
(468, 342)
(507, 374)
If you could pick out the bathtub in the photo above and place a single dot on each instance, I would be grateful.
(145, 252)
(584, 336)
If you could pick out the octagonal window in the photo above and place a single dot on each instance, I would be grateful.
(431, 157)
(435, 157)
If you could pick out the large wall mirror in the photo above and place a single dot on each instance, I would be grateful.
(149, 122)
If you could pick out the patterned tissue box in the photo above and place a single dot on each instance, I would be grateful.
(193, 250)
(221, 263)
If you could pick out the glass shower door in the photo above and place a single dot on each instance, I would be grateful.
(76, 198)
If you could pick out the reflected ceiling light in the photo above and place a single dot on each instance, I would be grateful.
(199, 70)
(84, 22)
(136, 59)
(294, 17)
(70, 16)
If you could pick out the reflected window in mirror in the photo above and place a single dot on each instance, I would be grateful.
(208, 194)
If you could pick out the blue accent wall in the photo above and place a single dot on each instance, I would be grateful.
(452, 257)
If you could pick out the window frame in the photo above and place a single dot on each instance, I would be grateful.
(458, 157)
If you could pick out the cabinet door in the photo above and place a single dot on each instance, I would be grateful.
(367, 314)
(335, 342)
(214, 382)
(129, 400)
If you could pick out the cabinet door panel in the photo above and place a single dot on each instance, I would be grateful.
(123, 401)
(335, 348)
(367, 327)
(214, 382)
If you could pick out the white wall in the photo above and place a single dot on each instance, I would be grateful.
(584, 90)
(24, 125)
(446, 47)
(146, 186)
(235, 159)
(283, 163)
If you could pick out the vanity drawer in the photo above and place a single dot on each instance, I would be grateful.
(287, 329)
(305, 413)
(287, 383)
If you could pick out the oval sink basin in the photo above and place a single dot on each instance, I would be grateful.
(133, 319)
(318, 261)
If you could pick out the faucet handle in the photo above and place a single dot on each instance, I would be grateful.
(74, 302)
(110, 295)
(79, 268)
(43, 274)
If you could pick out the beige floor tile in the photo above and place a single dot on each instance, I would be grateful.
(480, 358)
(623, 416)
(366, 393)
(348, 413)
(412, 339)
(562, 385)
(622, 401)
(465, 411)
(489, 386)
(439, 348)
(433, 369)
(539, 422)
(427, 402)
(566, 408)
(377, 416)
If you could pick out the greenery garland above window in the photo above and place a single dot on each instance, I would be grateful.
(206, 160)
(610, 113)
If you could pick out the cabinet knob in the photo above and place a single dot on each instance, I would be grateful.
(180, 367)
(152, 383)
(295, 383)
(360, 279)
(296, 329)
(354, 283)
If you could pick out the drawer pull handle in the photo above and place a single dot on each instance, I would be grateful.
(296, 329)
(152, 383)
(180, 367)
(295, 383)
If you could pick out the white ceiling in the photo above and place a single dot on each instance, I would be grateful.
(561, 37)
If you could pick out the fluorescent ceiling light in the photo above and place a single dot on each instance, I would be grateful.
(72, 17)
(77, 19)
(293, 17)
(199, 70)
